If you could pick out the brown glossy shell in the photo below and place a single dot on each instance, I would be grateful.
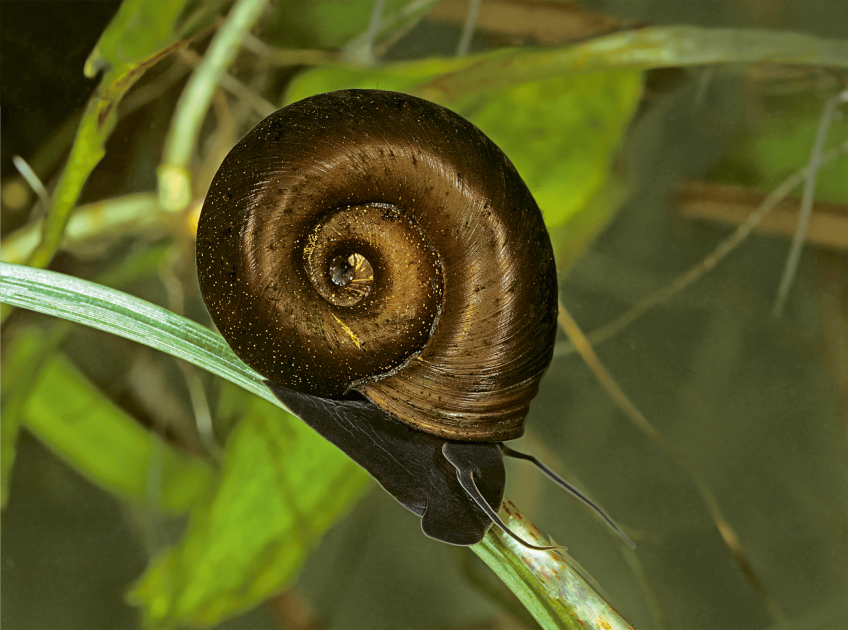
(373, 241)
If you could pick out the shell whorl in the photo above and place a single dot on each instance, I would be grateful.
(373, 241)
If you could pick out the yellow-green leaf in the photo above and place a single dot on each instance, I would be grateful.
(561, 134)
(73, 419)
(141, 29)
(282, 486)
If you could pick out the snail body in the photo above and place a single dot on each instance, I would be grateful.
(382, 264)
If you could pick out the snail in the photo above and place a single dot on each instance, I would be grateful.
(381, 263)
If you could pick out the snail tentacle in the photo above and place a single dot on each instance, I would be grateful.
(458, 454)
(510, 452)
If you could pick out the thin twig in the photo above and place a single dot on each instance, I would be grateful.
(468, 28)
(806, 202)
(607, 331)
(392, 27)
(202, 413)
(258, 103)
(584, 347)
(33, 180)
(367, 50)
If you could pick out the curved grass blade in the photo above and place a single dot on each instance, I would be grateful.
(126, 316)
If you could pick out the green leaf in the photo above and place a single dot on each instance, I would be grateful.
(400, 77)
(31, 346)
(561, 135)
(72, 418)
(142, 30)
(577, 232)
(638, 49)
(280, 477)
(282, 487)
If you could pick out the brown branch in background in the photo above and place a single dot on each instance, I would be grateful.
(543, 21)
(734, 205)
(584, 347)
(607, 331)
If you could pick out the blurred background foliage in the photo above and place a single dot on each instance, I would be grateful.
(138, 489)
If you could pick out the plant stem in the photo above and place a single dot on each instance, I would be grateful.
(554, 593)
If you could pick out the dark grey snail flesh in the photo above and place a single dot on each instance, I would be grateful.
(372, 245)
(407, 463)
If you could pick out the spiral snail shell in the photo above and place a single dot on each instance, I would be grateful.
(372, 243)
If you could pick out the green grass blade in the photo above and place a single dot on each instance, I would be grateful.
(556, 595)
(173, 174)
(126, 316)
(640, 49)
